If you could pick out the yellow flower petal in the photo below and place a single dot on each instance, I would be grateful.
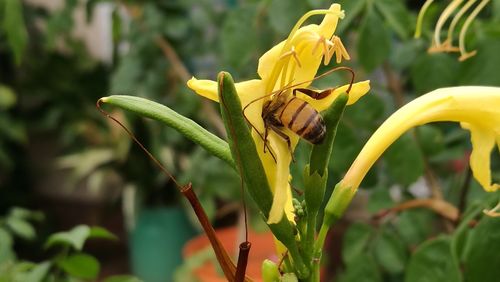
(281, 186)
(476, 107)
(208, 89)
(329, 24)
(483, 141)
(358, 90)
(205, 88)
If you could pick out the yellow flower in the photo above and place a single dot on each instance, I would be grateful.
(292, 61)
(477, 108)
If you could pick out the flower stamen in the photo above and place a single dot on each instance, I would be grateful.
(461, 42)
(494, 212)
(420, 18)
(440, 23)
(278, 67)
(339, 50)
(294, 55)
(454, 22)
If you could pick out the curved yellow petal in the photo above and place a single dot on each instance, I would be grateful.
(280, 185)
(204, 87)
(477, 107)
(358, 90)
(247, 90)
(329, 24)
(483, 141)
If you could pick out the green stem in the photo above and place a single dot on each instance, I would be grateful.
(320, 241)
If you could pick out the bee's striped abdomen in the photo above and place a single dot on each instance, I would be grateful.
(301, 118)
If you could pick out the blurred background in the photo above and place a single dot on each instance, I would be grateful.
(65, 169)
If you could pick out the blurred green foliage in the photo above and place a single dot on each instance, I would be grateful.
(48, 92)
(69, 263)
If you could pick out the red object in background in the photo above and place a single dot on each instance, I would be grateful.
(262, 248)
(459, 165)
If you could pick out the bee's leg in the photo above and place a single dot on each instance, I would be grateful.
(264, 138)
(266, 144)
(317, 95)
(266, 133)
(285, 137)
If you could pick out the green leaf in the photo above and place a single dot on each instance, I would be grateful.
(496, 9)
(380, 198)
(314, 191)
(482, 69)
(361, 268)
(80, 266)
(405, 53)
(431, 139)
(239, 38)
(396, 15)
(127, 75)
(38, 272)
(122, 278)
(390, 252)
(368, 114)
(355, 241)
(177, 27)
(374, 42)
(284, 14)
(432, 262)
(15, 30)
(345, 149)
(100, 232)
(7, 97)
(352, 9)
(414, 226)
(6, 252)
(432, 71)
(404, 160)
(482, 260)
(184, 125)
(21, 228)
(74, 238)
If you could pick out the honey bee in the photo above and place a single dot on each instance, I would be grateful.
(289, 111)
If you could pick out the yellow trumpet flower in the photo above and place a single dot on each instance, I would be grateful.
(294, 60)
(477, 108)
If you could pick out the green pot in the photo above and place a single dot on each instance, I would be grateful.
(156, 243)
